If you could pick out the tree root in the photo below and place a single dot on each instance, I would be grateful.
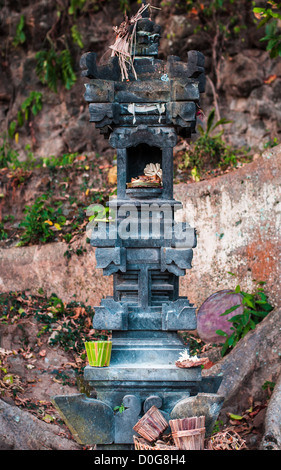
(272, 423)
(254, 361)
(21, 430)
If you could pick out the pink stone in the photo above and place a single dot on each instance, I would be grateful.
(209, 318)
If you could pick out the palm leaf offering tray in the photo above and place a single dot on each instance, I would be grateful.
(143, 184)
(186, 361)
(152, 178)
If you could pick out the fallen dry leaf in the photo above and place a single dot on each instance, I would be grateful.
(57, 381)
(78, 311)
(103, 167)
(88, 322)
(112, 175)
(270, 79)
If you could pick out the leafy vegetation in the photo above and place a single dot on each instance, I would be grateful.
(53, 67)
(271, 17)
(216, 18)
(76, 36)
(256, 308)
(67, 324)
(20, 36)
(70, 186)
(76, 6)
(119, 409)
(32, 105)
(210, 149)
(42, 220)
(61, 161)
(8, 156)
(3, 233)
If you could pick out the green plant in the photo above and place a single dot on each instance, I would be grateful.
(99, 213)
(211, 126)
(75, 6)
(195, 174)
(76, 36)
(8, 156)
(41, 221)
(218, 426)
(32, 105)
(271, 143)
(210, 148)
(119, 409)
(124, 6)
(20, 36)
(271, 17)
(55, 66)
(269, 386)
(65, 160)
(256, 308)
(69, 323)
(220, 18)
(3, 233)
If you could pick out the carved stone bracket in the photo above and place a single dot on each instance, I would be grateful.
(176, 261)
(111, 315)
(111, 260)
(154, 136)
(179, 315)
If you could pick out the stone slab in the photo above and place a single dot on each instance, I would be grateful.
(90, 421)
(142, 373)
(203, 404)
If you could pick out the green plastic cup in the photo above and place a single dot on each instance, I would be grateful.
(98, 353)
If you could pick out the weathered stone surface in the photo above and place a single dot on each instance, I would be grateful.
(176, 261)
(46, 267)
(111, 315)
(21, 430)
(237, 219)
(203, 404)
(178, 315)
(272, 429)
(114, 258)
(210, 319)
(90, 421)
(254, 361)
(125, 420)
(240, 74)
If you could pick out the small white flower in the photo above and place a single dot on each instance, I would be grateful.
(184, 356)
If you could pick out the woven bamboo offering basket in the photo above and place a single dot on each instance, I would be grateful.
(151, 425)
(142, 444)
(189, 433)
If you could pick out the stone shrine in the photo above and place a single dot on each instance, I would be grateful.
(140, 244)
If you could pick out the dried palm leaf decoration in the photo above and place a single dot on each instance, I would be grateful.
(124, 45)
(154, 171)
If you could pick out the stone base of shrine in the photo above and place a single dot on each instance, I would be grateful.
(142, 373)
